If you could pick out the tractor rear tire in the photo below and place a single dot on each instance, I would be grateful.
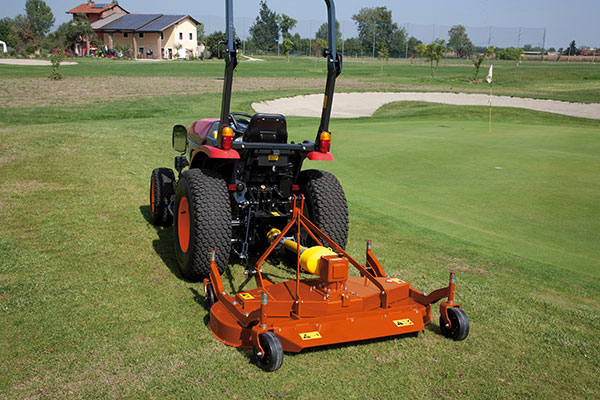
(202, 223)
(325, 205)
(162, 191)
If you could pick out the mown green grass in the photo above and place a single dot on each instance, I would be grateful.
(569, 82)
(92, 305)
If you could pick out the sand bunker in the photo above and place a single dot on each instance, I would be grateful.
(354, 105)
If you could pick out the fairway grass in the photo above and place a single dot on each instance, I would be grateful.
(92, 304)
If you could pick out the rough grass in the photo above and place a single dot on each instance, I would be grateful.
(568, 82)
(92, 304)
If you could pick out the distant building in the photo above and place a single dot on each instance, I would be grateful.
(147, 35)
(94, 12)
(152, 35)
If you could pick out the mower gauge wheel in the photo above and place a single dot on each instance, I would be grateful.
(273, 357)
(460, 324)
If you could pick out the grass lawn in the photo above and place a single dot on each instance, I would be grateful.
(569, 82)
(92, 304)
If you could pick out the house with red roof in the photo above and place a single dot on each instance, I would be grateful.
(94, 12)
(157, 36)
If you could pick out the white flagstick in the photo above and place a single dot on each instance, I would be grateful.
(489, 79)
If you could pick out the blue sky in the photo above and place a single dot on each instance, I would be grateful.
(564, 21)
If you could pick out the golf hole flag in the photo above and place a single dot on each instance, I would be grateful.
(488, 78)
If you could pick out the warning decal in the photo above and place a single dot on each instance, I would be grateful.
(246, 296)
(397, 280)
(403, 322)
(310, 335)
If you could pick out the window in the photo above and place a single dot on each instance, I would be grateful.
(141, 35)
(180, 35)
(162, 36)
(191, 36)
(125, 34)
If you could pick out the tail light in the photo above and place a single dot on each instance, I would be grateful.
(226, 138)
(324, 142)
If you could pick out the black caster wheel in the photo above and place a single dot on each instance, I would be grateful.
(459, 322)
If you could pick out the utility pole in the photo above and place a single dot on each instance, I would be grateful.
(406, 51)
(543, 45)
(373, 38)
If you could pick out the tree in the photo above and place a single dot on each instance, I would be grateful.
(352, 46)
(286, 25)
(374, 24)
(317, 47)
(323, 33)
(510, 53)
(80, 30)
(58, 38)
(572, 50)
(200, 34)
(382, 52)
(433, 53)
(56, 74)
(459, 41)
(397, 47)
(39, 17)
(412, 45)
(212, 44)
(288, 46)
(478, 60)
(26, 38)
(265, 30)
(8, 32)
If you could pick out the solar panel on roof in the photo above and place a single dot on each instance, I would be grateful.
(161, 23)
(131, 21)
(100, 5)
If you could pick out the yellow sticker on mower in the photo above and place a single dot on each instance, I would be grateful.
(397, 280)
(403, 322)
(310, 335)
(246, 296)
(273, 157)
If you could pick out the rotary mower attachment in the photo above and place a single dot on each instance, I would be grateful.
(331, 308)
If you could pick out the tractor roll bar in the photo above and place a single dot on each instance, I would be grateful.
(231, 62)
(334, 68)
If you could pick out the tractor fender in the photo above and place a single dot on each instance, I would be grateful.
(214, 152)
(202, 154)
(318, 156)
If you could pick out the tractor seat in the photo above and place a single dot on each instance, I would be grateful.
(266, 128)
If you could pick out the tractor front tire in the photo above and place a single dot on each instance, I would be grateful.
(162, 191)
(202, 223)
(325, 205)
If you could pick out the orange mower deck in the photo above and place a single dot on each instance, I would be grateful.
(332, 308)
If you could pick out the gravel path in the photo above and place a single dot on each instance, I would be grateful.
(14, 61)
(353, 105)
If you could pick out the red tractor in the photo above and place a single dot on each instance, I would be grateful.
(236, 177)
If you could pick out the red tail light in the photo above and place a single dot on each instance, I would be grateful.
(227, 138)
(324, 142)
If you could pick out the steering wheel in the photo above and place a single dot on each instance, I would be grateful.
(234, 120)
